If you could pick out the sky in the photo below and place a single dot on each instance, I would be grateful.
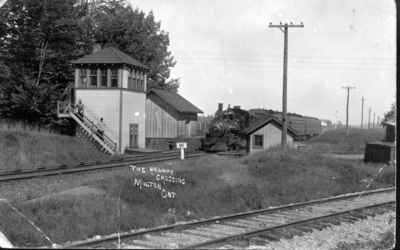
(226, 53)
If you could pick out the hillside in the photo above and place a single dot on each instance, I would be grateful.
(76, 207)
(29, 150)
(337, 141)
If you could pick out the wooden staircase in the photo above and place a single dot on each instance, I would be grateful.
(88, 128)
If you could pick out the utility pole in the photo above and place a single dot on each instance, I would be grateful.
(373, 121)
(337, 120)
(284, 28)
(369, 118)
(347, 107)
(362, 111)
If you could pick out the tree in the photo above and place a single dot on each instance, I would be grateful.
(391, 114)
(39, 38)
(138, 35)
(37, 43)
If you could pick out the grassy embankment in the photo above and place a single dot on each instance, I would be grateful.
(76, 207)
(214, 186)
(30, 150)
(337, 141)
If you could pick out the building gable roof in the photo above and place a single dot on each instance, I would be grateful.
(176, 101)
(256, 126)
(109, 55)
(389, 123)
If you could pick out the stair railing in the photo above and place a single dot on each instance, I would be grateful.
(94, 117)
(65, 108)
(95, 130)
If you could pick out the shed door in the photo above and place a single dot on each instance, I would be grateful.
(133, 135)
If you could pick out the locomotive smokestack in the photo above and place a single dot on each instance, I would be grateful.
(220, 106)
(96, 47)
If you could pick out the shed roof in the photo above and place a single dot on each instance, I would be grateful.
(109, 55)
(257, 125)
(389, 123)
(176, 101)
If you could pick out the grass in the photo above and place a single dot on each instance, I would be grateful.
(79, 206)
(337, 141)
(214, 185)
(29, 150)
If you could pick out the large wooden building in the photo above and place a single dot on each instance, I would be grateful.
(112, 86)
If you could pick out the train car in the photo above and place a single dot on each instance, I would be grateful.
(304, 126)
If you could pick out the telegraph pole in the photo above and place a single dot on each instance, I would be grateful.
(373, 121)
(347, 106)
(284, 28)
(369, 118)
(362, 111)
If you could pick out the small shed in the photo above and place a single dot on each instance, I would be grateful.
(265, 134)
(390, 131)
(380, 152)
(383, 151)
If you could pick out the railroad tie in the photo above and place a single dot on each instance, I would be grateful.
(258, 241)
(224, 228)
(271, 222)
(161, 241)
(304, 228)
(270, 236)
(203, 234)
(213, 231)
(184, 239)
(142, 243)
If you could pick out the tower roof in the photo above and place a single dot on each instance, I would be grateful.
(109, 55)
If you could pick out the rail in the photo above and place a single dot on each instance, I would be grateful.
(119, 161)
(201, 233)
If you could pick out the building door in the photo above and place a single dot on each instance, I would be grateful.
(133, 135)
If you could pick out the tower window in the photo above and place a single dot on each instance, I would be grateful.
(83, 77)
(103, 77)
(114, 78)
(93, 77)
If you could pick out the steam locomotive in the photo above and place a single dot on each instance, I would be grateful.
(226, 129)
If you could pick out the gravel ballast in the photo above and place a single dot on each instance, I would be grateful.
(358, 234)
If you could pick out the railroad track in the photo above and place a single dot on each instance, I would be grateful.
(91, 166)
(259, 225)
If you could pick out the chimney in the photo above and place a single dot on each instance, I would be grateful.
(96, 47)
(220, 106)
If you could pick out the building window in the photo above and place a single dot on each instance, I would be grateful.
(93, 77)
(134, 82)
(258, 140)
(103, 77)
(83, 77)
(114, 78)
